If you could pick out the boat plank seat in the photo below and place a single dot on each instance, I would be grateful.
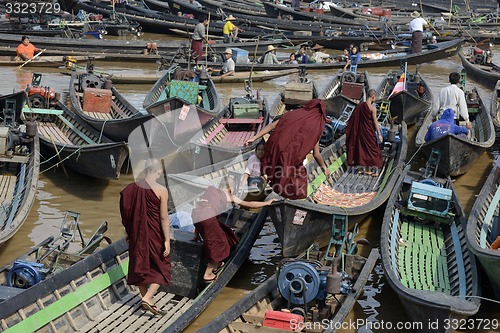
(314, 184)
(213, 134)
(241, 121)
(422, 260)
(98, 115)
(117, 112)
(236, 139)
(76, 130)
(52, 131)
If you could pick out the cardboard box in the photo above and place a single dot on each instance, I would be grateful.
(352, 90)
(298, 93)
(97, 100)
(283, 320)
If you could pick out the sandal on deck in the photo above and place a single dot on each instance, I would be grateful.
(218, 269)
(145, 306)
(207, 281)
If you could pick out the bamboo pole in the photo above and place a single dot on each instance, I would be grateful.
(206, 44)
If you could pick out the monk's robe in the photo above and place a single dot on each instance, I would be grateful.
(361, 139)
(295, 135)
(218, 238)
(140, 211)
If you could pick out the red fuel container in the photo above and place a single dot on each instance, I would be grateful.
(283, 320)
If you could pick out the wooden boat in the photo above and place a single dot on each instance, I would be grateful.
(238, 77)
(483, 229)
(430, 53)
(225, 136)
(47, 259)
(93, 294)
(267, 300)
(109, 113)
(458, 153)
(65, 137)
(41, 61)
(346, 194)
(495, 105)
(19, 170)
(407, 104)
(424, 253)
(480, 66)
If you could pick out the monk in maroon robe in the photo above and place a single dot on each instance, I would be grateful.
(144, 212)
(361, 135)
(218, 238)
(295, 134)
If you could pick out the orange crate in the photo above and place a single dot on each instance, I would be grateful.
(97, 100)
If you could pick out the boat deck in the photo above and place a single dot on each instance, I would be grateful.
(53, 132)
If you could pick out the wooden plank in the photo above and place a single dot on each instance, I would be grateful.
(182, 306)
(7, 185)
(77, 131)
(213, 134)
(241, 121)
(51, 131)
(408, 257)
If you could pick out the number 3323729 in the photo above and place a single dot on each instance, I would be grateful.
(31, 7)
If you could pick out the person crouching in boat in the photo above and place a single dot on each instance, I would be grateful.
(362, 133)
(144, 212)
(253, 175)
(445, 125)
(26, 50)
(293, 136)
(228, 68)
(218, 238)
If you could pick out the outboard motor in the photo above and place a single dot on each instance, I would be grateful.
(25, 274)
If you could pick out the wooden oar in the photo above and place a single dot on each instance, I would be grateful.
(36, 55)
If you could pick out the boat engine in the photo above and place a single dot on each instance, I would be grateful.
(13, 141)
(301, 282)
(38, 96)
(25, 274)
(334, 128)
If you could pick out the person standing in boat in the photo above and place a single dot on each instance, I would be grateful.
(230, 31)
(301, 56)
(417, 26)
(452, 97)
(218, 238)
(26, 50)
(199, 35)
(293, 136)
(363, 136)
(144, 212)
(353, 60)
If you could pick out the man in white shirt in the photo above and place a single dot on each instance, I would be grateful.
(453, 97)
(416, 28)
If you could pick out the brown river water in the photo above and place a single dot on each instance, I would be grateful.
(97, 200)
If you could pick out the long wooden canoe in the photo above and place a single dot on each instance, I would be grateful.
(408, 104)
(42, 60)
(65, 137)
(92, 295)
(424, 252)
(248, 314)
(346, 194)
(459, 153)
(483, 228)
(429, 53)
(115, 120)
(18, 175)
(477, 67)
(238, 77)
(495, 105)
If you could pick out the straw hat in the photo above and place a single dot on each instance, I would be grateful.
(270, 48)
(316, 47)
(415, 14)
(230, 18)
(228, 51)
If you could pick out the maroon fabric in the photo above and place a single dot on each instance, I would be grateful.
(294, 137)
(218, 238)
(197, 47)
(140, 211)
(362, 147)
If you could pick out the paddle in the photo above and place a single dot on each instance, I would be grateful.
(29, 60)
